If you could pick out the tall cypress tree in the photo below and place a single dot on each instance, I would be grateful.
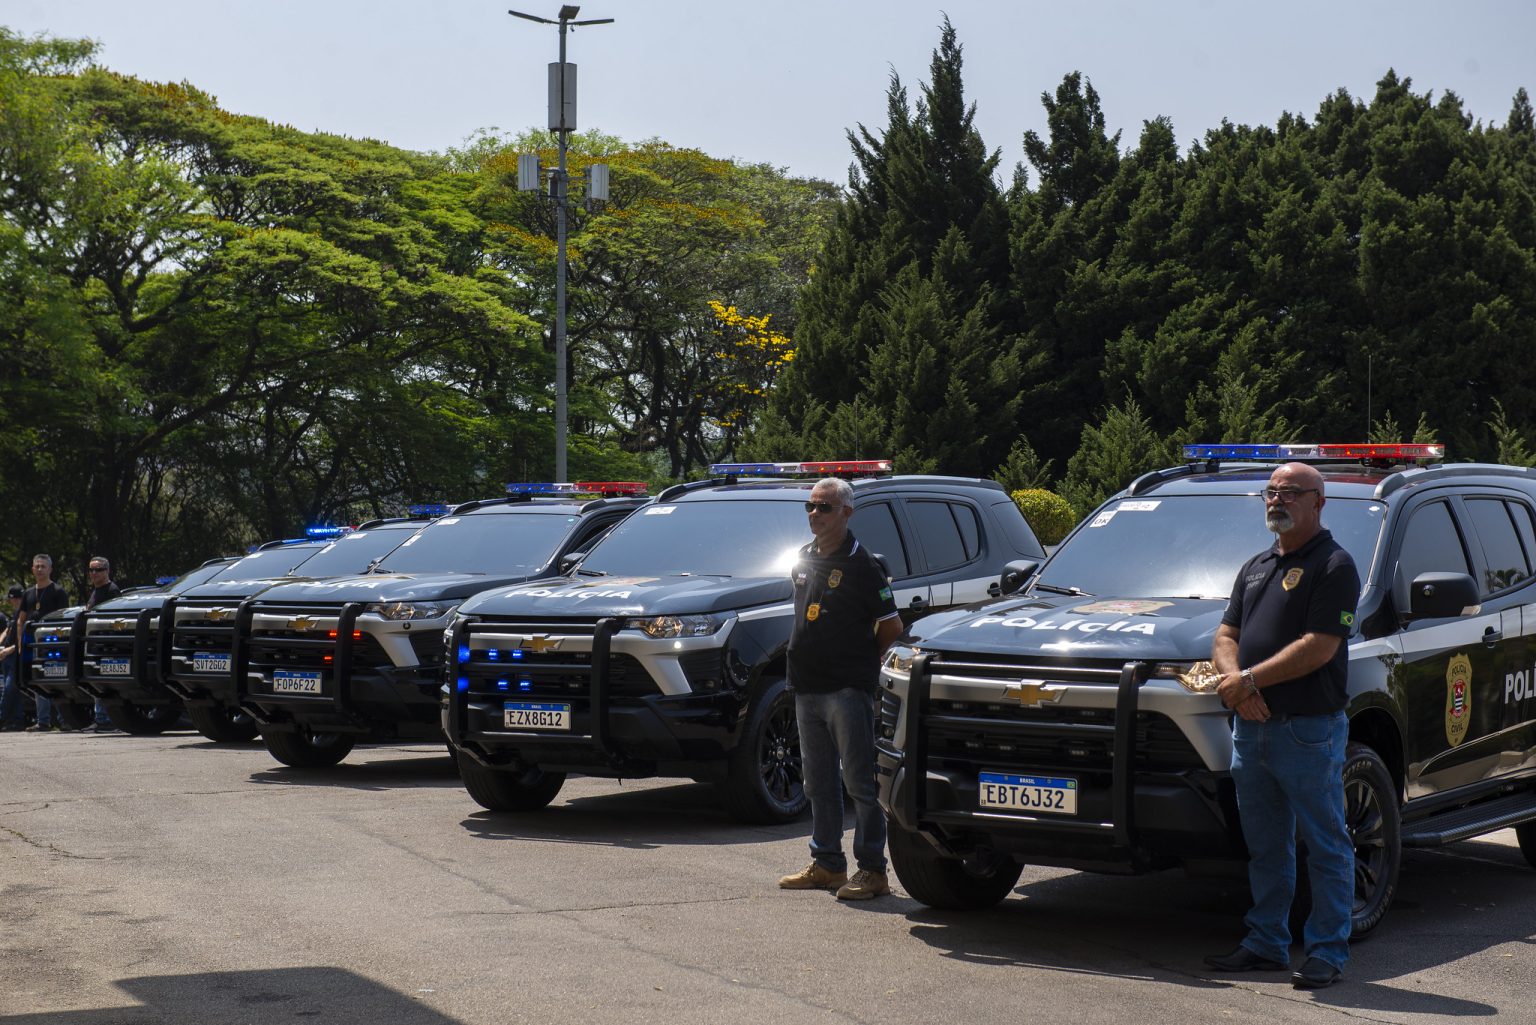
(904, 309)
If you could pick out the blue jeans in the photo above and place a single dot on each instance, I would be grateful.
(1289, 778)
(841, 727)
(10, 699)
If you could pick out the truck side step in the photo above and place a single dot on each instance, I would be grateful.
(1462, 823)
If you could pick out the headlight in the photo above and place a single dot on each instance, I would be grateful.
(409, 610)
(1196, 677)
(898, 659)
(679, 626)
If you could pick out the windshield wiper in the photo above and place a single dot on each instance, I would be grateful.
(1075, 592)
(592, 572)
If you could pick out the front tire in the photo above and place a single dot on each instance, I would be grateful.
(308, 750)
(528, 789)
(765, 778)
(74, 715)
(143, 720)
(952, 884)
(1525, 832)
(222, 724)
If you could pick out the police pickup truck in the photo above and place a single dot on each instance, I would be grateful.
(322, 663)
(196, 649)
(1074, 723)
(663, 652)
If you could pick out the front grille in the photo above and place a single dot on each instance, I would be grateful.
(552, 673)
(269, 649)
(890, 713)
(1007, 734)
(196, 632)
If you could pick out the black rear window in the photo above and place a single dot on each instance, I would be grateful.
(1185, 546)
(495, 544)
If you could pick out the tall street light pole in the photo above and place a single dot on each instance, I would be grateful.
(562, 121)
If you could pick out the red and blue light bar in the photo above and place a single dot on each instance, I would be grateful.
(604, 488)
(1395, 451)
(816, 468)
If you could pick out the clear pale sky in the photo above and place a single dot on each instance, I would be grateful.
(779, 81)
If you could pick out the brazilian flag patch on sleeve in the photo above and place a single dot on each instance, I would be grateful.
(885, 592)
(1346, 619)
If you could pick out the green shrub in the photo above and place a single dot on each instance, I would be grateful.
(1048, 514)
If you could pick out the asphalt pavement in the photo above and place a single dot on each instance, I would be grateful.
(170, 880)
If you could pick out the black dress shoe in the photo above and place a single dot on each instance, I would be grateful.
(1315, 974)
(1244, 960)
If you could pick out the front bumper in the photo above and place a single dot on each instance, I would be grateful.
(1142, 803)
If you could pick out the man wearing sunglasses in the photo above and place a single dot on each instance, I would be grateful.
(103, 588)
(1282, 652)
(845, 618)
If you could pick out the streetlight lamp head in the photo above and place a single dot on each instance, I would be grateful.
(569, 11)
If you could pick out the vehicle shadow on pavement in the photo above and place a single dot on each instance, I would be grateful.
(641, 819)
(359, 773)
(331, 995)
(1451, 905)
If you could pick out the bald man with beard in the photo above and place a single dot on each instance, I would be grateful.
(1282, 653)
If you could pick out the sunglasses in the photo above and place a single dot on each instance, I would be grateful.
(97, 569)
(821, 507)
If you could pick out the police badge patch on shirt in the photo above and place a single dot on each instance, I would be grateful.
(1292, 578)
(834, 578)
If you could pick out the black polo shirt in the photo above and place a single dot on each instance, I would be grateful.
(838, 599)
(1277, 598)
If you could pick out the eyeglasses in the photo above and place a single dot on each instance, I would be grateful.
(1288, 495)
(97, 569)
(821, 507)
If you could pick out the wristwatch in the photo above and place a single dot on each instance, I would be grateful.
(1247, 676)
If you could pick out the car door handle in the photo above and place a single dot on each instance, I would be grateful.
(918, 602)
(1492, 637)
(994, 590)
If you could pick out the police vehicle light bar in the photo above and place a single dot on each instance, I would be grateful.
(818, 468)
(1402, 451)
(433, 509)
(605, 488)
(162, 581)
(611, 488)
(323, 532)
(1395, 451)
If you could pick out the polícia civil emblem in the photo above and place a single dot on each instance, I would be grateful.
(1458, 698)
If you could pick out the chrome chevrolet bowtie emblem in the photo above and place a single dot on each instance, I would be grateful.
(1031, 694)
(539, 643)
(301, 623)
(219, 615)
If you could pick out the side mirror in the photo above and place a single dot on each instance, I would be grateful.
(1441, 595)
(1016, 574)
(571, 560)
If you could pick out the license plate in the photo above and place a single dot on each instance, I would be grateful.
(1054, 795)
(285, 682)
(53, 669)
(536, 715)
(114, 666)
(211, 662)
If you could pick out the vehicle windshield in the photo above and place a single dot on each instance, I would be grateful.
(733, 539)
(277, 561)
(351, 554)
(1184, 546)
(191, 579)
(493, 544)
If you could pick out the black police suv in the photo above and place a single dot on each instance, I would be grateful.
(196, 649)
(321, 664)
(663, 652)
(1074, 723)
(114, 657)
(45, 668)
